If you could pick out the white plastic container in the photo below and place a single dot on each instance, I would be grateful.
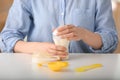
(43, 58)
(61, 42)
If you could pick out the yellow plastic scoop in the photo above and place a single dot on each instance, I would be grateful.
(86, 68)
(56, 65)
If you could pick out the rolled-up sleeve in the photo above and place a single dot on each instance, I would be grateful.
(16, 27)
(105, 27)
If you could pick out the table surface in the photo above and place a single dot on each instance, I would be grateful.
(20, 66)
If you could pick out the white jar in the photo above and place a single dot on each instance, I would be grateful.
(43, 58)
(62, 42)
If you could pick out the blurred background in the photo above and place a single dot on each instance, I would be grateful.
(5, 5)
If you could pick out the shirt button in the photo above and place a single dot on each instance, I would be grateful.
(62, 13)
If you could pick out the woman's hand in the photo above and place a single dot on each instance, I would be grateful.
(51, 49)
(43, 48)
(71, 32)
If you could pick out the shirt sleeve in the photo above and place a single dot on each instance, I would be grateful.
(16, 27)
(105, 27)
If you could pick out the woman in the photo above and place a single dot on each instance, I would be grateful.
(88, 24)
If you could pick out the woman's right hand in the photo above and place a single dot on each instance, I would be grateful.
(51, 49)
(37, 47)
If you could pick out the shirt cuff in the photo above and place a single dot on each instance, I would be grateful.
(10, 45)
(109, 43)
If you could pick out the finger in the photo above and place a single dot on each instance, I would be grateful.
(70, 35)
(57, 53)
(52, 51)
(61, 48)
(73, 38)
(62, 53)
(67, 31)
(64, 28)
(58, 48)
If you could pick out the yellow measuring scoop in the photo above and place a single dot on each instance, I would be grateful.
(56, 65)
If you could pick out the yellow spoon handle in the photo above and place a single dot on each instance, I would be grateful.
(86, 68)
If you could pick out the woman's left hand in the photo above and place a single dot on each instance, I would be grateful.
(71, 32)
